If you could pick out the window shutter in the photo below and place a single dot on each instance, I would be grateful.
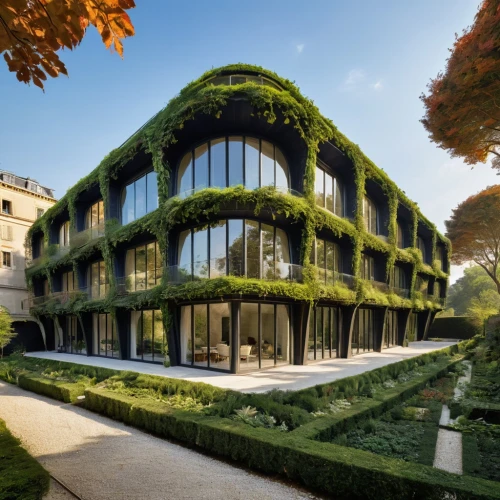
(6, 233)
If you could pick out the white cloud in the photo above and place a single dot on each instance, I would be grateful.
(378, 86)
(355, 77)
(300, 47)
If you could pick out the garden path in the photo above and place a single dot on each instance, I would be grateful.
(286, 377)
(101, 459)
(449, 443)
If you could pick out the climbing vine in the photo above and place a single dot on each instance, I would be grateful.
(269, 105)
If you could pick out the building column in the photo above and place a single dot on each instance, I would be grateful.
(122, 325)
(403, 320)
(430, 319)
(423, 324)
(171, 324)
(87, 326)
(348, 315)
(301, 312)
(379, 326)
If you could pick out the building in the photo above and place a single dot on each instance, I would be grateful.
(237, 230)
(23, 201)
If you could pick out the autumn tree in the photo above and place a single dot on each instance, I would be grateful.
(474, 231)
(6, 331)
(463, 103)
(33, 31)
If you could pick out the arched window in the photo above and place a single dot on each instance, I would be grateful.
(233, 247)
(233, 161)
(370, 215)
(139, 198)
(329, 192)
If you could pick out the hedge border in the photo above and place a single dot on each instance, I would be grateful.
(67, 392)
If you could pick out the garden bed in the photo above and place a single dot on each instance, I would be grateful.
(282, 432)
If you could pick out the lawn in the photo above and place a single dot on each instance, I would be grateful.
(21, 476)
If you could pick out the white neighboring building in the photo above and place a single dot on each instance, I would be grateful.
(23, 200)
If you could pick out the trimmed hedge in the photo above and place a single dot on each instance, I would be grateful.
(454, 327)
(336, 470)
(21, 476)
(67, 392)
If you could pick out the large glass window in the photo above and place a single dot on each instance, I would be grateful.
(400, 236)
(64, 234)
(232, 161)
(97, 279)
(440, 257)
(139, 197)
(105, 336)
(74, 341)
(143, 267)
(206, 335)
(422, 247)
(370, 215)
(95, 215)
(363, 332)
(367, 267)
(422, 286)
(323, 333)
(68, 281)
(219, 250)
(148, 340)
(398, 278)
(326, 256)
(264, 336)
(329, 192)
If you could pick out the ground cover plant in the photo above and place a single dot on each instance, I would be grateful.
(21, 476)
(280, 432)
(409, 430)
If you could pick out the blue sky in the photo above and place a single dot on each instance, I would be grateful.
(364, 63)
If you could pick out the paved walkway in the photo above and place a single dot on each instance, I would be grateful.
(100, 459)
(448, 455)
(288, 377)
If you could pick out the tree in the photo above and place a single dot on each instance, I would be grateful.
(474, 231)
(469, 286)
(463, 103)
(484, 306)
(32, 31)
(6, 331)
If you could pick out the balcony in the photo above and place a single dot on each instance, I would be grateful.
(58, 297)
(217, 268)
(380, 286)
(83, 237)
(130, 284)
(96, 292)
(59, 251)
(279, 189)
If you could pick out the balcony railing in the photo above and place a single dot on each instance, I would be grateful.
(404, 293)
(130, 284)
(95, 292)
(329, 277)
(59, 297)
(280, 189)
(60, 251)
(83, 237)
(216, 268)
(380, 286)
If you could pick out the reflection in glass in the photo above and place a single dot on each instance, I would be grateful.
(218, 163)
(200, 335)
(200, 254)
(185, 175)
(235, 247)
(250, 347)
(267, 162)
(140, 197)
(235, 147)
(267, 233)
(218, 250)
(252, 165)
(253, 248)
(201, 167)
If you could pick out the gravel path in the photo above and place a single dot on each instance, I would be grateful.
(100, 459)
(449, 451)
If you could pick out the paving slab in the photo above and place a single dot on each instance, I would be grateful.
(287, 377)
